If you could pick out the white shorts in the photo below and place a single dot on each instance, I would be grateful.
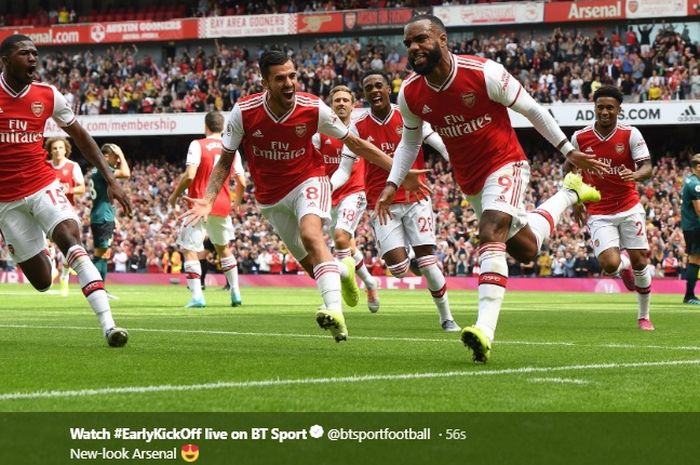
(411, 224)
(26, 223)
(218, 228)
(504, 191)
(624, 230)
(312, 197)
(348, 213)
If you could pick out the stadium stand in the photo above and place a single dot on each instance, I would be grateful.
(648, 62)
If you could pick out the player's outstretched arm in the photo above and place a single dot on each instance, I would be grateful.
(87, 146)
(503, 88)
(411, 139)
(434, 140)
(239, 179)
(368, 151)
(342, 174)
(546, 125)
(411, 180)
(201, 207)
(185, 181)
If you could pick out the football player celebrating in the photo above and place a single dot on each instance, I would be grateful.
(72, 181)
(465, 99)
(412, 222)
(275, 129)
(33, 204)
(349, 201)
(618, 220)
(202, 155)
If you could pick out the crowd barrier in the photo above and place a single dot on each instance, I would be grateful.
(598, 285)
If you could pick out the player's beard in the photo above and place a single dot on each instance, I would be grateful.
(431, 61)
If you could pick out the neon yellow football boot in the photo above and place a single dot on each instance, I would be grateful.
(334, 321)
(477, 341)
(585, 192)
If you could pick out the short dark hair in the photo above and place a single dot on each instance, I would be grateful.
(437, 22)
(214, 121)
(374, 73)
(9, 43)
(608, 91)
(271, 58)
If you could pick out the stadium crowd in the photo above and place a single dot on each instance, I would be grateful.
(68, 12)
(559, 67)
(648, 62)
(146, 242)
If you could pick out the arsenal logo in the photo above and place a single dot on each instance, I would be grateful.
(37, 108)
(300, 130)
(469, 99)
(619, 147)
(632, 5)
(399, 130)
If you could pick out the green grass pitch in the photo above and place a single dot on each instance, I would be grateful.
(554, 352)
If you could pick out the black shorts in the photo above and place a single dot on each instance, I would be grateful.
(102, 234)
(692, 241)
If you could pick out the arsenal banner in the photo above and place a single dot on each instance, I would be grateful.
(319, 23)
(584, 10)
(656, 8)
(491, 13)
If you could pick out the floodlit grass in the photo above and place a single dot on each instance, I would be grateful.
(554, 352)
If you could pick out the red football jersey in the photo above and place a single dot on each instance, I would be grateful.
(623, 148)
(24, 167)
(68, 173)
(469, 112)
(331, 150)
(279, 150)
(205, 153)
(386, 135)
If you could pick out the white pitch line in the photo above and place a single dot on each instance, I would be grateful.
(338, 380)
(359, 338)
(559, 380)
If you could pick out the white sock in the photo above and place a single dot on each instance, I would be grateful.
(229, 265)
(91, 284)
(493, 278)
(362, 271)
(327, 276)
(400, 269)
(546, 216)
(642, 281)
(193, 271)
(342, 253)
(437, 285)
